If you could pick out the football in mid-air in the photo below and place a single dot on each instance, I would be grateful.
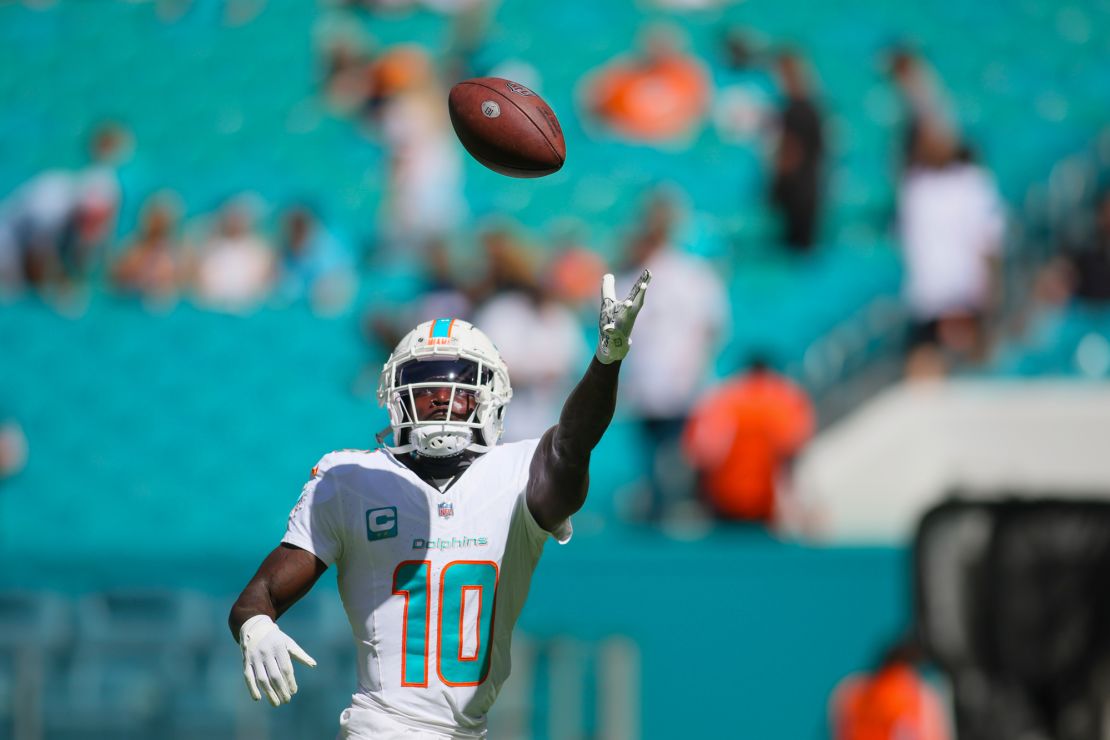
(507, 127)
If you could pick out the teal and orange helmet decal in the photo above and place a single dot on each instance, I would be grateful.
(440, 332)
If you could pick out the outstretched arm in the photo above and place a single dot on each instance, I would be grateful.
(285, 576)
(560, 474)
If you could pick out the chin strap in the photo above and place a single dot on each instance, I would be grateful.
(409, 448)
(405, 449)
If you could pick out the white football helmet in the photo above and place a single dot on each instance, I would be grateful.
(456, 361)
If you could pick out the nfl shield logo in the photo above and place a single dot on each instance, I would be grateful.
(446, 511)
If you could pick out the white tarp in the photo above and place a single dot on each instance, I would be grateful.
(868, 478)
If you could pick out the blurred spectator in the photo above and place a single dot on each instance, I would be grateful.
(1085, 272)
(575, 270)
(951, 226)
(461, 57)
(537, 335)
(424, 196)
(688, 5)
(441, 294)
(798, 159)
(924, 100)
(891, 703)
(35, 220)
(377, 5)
(739, 50)
(741, 438)
(313, 263)
(235, 268)
(447, 7)
(13, 448)
(99, 191)
(509, 263)
(455, 7)
(743, 109)
(242, 12)
(347, 75)
(676, 341)
(661, 94)
(52, 228)
(11, 259)
(148, 265)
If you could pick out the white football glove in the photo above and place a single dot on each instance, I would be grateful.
(266, 659)
(617, 317)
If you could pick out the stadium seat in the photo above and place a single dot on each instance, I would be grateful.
(34, 628)
(135, 650)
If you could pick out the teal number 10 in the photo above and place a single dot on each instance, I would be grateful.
(457, 663)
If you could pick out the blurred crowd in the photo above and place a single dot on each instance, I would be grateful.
(732, 442)
(58, 237)
(54, 227)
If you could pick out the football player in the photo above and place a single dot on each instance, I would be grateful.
(435, 537)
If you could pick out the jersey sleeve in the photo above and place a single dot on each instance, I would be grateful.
(315, 524)
(532, 528)
(562, 533)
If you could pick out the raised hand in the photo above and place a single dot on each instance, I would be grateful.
(617, 317)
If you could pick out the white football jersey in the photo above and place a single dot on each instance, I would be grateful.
(432, 582)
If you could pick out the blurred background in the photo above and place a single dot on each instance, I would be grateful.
(880, 234)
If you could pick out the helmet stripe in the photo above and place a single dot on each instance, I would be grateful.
(441, 328)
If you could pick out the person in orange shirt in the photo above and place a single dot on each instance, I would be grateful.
(660, 94)
(892, 703)
(742, 436)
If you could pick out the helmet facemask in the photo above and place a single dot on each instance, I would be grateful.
(454, 359)
(439, 403)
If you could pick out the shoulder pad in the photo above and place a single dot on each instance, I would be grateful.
(339, 457)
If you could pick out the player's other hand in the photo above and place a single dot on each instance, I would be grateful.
(617, 317)
(266, 660)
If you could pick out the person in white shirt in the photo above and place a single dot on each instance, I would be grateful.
(540, 339)
(951, 224)
(54, 227)
(675, 348)
(435, 537)
(236, 267)
(423, 201)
